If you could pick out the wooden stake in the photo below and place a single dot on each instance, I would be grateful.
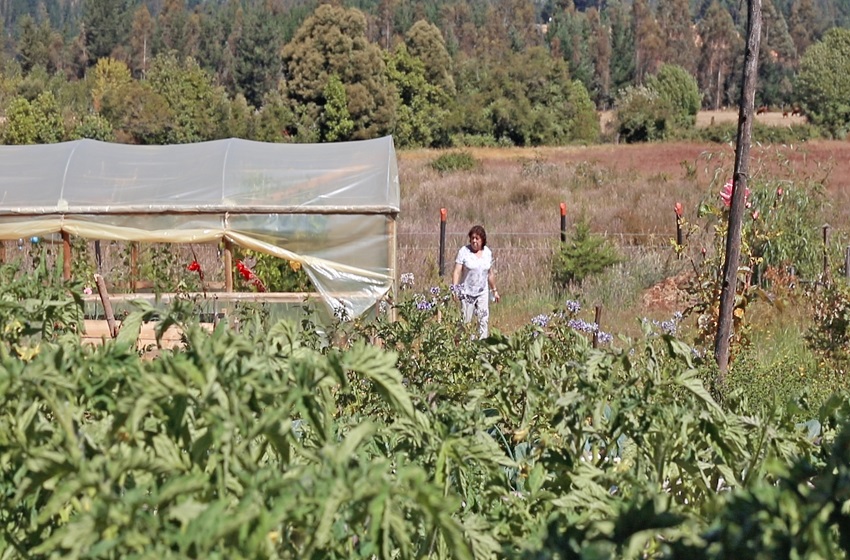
(107, 305)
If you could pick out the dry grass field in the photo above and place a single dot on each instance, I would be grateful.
(725, 116)
(626, 192)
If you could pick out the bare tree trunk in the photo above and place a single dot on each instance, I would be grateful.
(740, 176)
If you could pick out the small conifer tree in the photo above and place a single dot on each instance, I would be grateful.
(581, 256)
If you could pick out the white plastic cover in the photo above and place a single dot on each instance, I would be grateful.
(330, 207)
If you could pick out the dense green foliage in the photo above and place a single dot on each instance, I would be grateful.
(436, 73)
(663, 108)
(824, 81)
(271, 442)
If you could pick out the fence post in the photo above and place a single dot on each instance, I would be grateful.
(826, 253)
(442, 267)
(3, 251)
(563, 222)
(847, 263)
(597, 319)
(679, 240)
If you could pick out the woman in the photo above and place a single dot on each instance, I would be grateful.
(473, 280)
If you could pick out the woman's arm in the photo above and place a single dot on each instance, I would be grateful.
(491, 279)
(456, 273)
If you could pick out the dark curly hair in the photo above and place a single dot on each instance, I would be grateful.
(479, 231)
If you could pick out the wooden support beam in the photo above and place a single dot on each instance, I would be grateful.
(134, 265)
(392, 258)
(66, 255)
(228, 266)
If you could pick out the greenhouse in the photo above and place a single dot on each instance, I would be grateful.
(330, 209)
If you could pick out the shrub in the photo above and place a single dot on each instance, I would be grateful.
(454, 161)
(642, 114)
(680, 89)
(830, 334)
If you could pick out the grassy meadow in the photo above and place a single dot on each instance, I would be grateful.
(627, 193)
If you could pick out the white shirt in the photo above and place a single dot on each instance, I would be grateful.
(476, 270)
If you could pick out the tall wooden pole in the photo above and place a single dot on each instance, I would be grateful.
(739, 178)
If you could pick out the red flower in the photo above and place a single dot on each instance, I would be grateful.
(194, 266)
(726, 194)
(250, 277)
(679, 210)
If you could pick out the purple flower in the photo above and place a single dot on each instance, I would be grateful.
(573, 306)
(541, 320)
(582, 326)
(435, 291)
(424, 305)
(604, 337)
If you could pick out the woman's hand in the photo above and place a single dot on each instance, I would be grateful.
(496, 296)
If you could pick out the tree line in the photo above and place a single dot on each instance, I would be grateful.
(431, 72)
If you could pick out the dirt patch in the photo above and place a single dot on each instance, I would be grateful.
(668, 295)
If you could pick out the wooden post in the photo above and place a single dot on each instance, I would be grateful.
(392, 255)
(732, 255)
(228, 266)
(107, 305)
(847, 263)
(826, 253)
(2, 251)
(679, 236)
(442, 267)
(134, 265)
(563, 207)
(66, 255)
(597, 319)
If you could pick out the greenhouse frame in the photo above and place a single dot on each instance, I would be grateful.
(331, 207)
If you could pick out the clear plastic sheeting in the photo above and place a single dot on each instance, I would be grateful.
(330, 207)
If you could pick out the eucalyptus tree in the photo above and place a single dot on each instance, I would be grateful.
(190, 94)
(600, 54)
(805, 24)
(105, 27)
(777, 59)
(421, 106)
(257, 56)
(569, 38)
(37, 44)
(720, 44)
(824, 81)
(141, 40)
(675, 19)
(622, 65)
(333, 41)
(425, 41)
(649, 44)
